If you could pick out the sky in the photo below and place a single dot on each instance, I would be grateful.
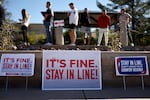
(34, 7)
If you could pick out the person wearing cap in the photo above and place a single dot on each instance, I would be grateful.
(124, 20)
(48, 22)
(73, 22)
(103, 23)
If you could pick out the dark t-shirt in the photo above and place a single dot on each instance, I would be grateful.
(49, 15)
(85, 19)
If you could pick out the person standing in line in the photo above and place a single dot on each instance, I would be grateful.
(25, 23)
(85, 26)
(124, 20)
(48, 22)
(73, 22)
(103, 23)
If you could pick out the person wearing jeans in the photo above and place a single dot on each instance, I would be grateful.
(48, 32)
(48, 20)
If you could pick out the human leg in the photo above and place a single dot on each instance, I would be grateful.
(89, 38)
(26, 36)
(48, 32)
(130, 38)
(83, 38)
(123, 37)
(100, 35)
(72, 34)
(123, 34)
(83, 30)
(24, 33)
(106, 36)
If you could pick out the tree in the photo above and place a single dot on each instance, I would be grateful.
(7, 35)
(6, 30)
(139, 9)
(2, 12)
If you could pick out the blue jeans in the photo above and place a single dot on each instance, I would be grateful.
(48, 31)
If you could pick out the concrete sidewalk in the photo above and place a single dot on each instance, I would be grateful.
(106, 93)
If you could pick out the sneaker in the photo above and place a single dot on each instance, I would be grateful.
(132, 44)
(72, 44)
(98, 44)
(48, 43)
(13, 47)
(27, 44)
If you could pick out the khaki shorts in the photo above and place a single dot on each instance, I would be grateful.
(85, 29)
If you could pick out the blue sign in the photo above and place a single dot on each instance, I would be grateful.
(131, 65)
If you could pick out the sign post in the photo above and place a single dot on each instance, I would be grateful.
(124, 83)
(142, 79)
(6, 83)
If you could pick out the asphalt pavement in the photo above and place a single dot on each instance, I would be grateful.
(105, 93)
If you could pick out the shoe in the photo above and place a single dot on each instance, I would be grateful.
(98, 44)
(27, 44)
(72, 44)
(132, 44)
(13, 47)
(48, 43)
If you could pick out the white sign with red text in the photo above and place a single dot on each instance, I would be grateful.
(58, 23)
(17, 64)
(71, 70)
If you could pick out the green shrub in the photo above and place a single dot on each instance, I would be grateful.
(36, 38)
(114, 41)
(7, 35)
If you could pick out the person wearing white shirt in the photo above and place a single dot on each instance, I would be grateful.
(25, 23)
(73, 22)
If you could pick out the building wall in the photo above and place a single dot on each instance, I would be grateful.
(37, 28)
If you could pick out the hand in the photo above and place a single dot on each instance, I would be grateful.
(20, 20)
(68, 14)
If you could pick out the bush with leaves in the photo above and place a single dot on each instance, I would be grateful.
(114, 41)
(6, 35)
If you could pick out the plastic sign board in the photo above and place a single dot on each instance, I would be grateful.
(17, 65)
(71, 70)
(58, 23)
(131, 65)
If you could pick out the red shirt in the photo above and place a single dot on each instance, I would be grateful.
(104, 21)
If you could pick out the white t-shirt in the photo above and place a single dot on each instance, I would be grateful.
(26, 21)
(74, 17)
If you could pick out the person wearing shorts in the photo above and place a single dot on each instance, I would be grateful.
(85, 26)
(73, 22)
